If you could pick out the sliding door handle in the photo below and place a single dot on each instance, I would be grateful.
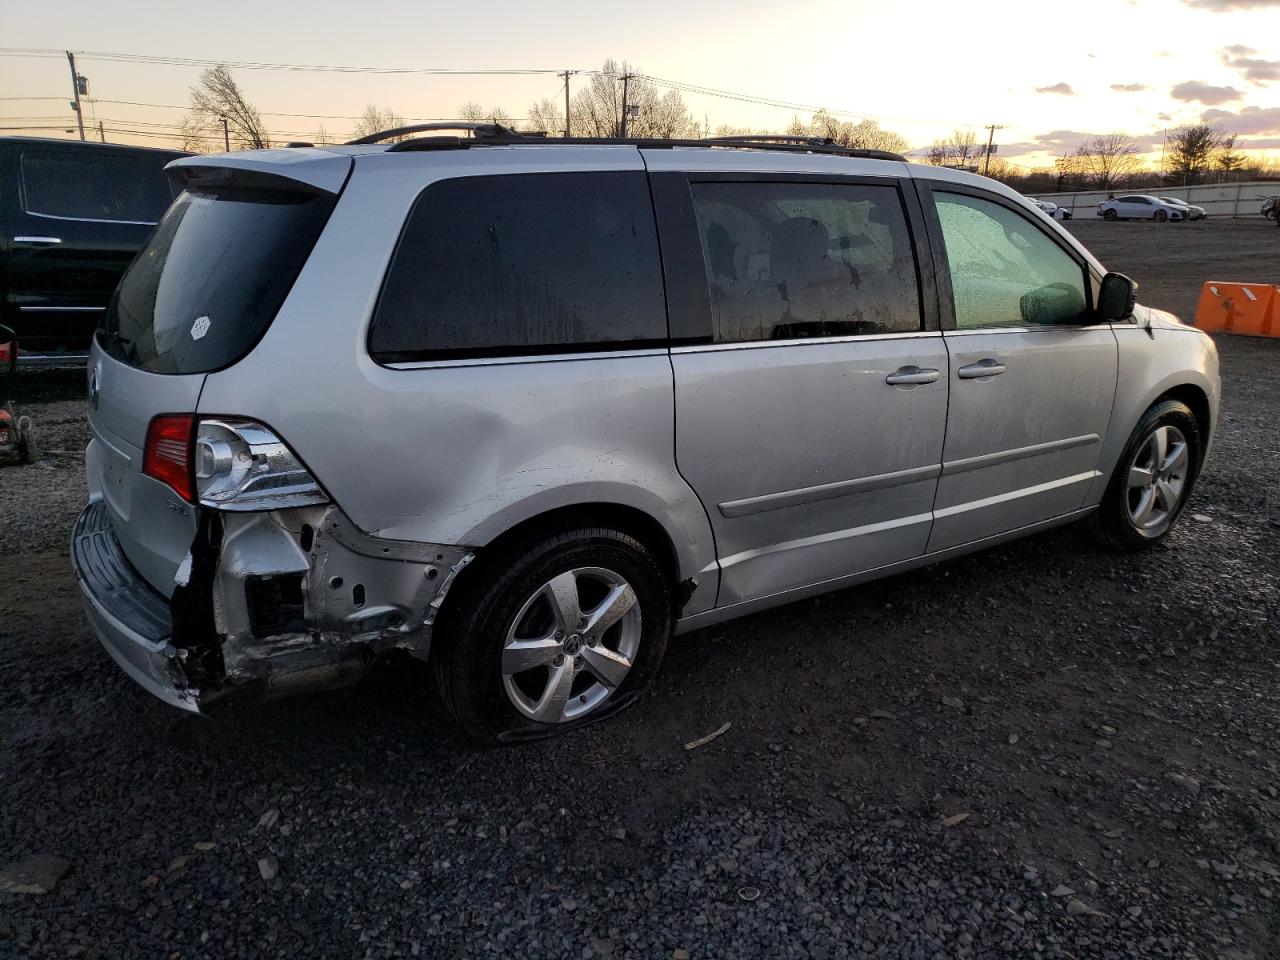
(983, 368)
(912, 375)
(37, 241)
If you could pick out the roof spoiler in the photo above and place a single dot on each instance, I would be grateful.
(315, 171)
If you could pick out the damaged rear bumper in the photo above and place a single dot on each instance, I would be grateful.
(130, 618)
(265, 605)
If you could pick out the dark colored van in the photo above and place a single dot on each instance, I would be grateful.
(72, 217)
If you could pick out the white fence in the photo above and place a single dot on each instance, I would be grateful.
(1218, 199)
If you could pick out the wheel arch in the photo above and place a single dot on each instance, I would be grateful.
(627, 518)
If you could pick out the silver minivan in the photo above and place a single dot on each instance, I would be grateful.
(524, 408)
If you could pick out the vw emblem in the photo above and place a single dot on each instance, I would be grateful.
(95, 384)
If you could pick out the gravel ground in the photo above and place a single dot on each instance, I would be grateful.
(1042, 751)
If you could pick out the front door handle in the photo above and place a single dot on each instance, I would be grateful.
(911, 375)
(983, 368)
(37, 241)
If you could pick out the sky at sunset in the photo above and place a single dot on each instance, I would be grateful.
(1048, 73)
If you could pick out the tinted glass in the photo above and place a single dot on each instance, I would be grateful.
(204, 289)
(793, 260)
(1004, 270)
(95, 186)
(533, 263)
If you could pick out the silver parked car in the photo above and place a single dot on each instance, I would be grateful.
(525, 409)
(1141, 207)
(1193, 212)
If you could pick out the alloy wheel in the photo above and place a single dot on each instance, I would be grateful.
(571, 644)
(1157, 480)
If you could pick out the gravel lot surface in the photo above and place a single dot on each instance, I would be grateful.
(1042, 751)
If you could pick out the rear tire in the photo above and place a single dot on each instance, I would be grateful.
(1153, 479)
(28, 451)
(516, 654)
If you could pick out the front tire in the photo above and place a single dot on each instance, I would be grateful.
(554, 633)
(1108, 214)
(1153, 479)
(1160, 216)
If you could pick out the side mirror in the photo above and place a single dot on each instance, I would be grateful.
(1117, 298)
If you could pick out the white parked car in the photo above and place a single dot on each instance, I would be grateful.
(1193, 212)
(1141, 207)
(1052, 209)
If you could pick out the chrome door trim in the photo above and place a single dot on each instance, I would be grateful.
(42, 241)
(826, 491)
(802, 342)
(731, 612)
(830, 537)
(977, 331)
(1087, 476)
(54, 216)
(43, 309)
(1017, 453)
(532, 358)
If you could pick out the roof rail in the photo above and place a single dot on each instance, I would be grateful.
(477, 130)
(748, 142)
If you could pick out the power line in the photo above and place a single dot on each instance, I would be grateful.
(255, 65)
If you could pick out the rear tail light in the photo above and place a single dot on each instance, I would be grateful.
(227, 464)
(241, 465)
(167, 455)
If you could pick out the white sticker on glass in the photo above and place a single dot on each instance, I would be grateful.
(200, 327)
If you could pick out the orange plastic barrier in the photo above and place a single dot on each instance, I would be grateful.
(1249, 308)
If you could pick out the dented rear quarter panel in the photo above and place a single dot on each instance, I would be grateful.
(458, 452)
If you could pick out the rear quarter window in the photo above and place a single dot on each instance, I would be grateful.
(523, 264)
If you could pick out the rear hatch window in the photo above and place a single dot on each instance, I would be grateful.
(206, 287)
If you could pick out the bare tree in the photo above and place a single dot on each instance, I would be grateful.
(375, 120)
(864, 135)
(597, 107)
(217, 97)
(1108, 159)
(474, 113)
(545, 117)
(1067, 172)
(321, 137)
(961, 149)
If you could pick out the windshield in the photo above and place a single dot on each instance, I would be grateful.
(206, 287)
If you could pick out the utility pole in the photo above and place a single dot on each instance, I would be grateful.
(991, 137)
(77, 83)
(567, 121)
(226, 135)
(625, 78)
(102, 134)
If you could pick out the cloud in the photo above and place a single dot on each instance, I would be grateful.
(1129, 87)
(1062, 88)
(1226, 6)
(1253, 69)
(1067, 141)
(1164, 116)
(1204, 92)
(1250, 120)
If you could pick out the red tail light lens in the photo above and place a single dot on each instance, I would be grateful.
(167, 457)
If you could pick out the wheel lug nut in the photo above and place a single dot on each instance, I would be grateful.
(591, 641)
(559, 660)
(559, 634)
(577, 663)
